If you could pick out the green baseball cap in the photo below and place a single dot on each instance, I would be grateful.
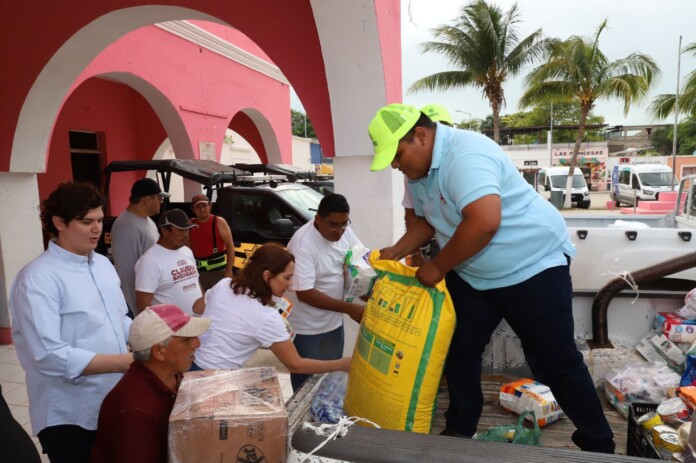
(388, 126)
(437, 113)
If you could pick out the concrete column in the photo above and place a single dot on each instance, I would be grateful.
(375, 211)
(20, 235)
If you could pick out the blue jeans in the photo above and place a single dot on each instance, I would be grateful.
(324, 346)
(539, 310)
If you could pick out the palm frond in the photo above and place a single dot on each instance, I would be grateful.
(662, 106)
(443, 81)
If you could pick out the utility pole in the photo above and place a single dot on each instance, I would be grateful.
(469, 114)
(676, 118)
(550, 141)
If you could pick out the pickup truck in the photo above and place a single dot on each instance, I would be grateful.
(259, 208)
(605, 249)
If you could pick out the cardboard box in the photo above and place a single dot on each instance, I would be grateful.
(229, 416)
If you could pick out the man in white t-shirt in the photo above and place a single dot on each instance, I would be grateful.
(320, 248)
(166, 273)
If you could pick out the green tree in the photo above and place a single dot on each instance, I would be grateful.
(540, 115)
(686, 138)
(577, 71)
(483, 44)
(663, 105)
(298, 120)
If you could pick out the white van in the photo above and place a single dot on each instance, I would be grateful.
(642, 181)
(554, 179)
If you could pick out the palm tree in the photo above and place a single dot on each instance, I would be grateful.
(577, 71)
(663, 105)
(483, 43)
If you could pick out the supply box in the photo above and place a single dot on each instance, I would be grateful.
(229, 416)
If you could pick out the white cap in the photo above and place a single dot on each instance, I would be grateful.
(159, 322)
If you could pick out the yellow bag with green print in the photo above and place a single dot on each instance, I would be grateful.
(400, 351)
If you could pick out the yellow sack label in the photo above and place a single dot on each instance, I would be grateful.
(400, 351)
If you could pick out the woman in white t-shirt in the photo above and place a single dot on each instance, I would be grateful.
(244, 317)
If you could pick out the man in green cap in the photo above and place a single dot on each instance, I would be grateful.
(438, 113)
(505, 254)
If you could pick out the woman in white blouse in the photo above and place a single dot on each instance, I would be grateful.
(244, 317)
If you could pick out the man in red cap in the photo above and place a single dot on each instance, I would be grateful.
(211, 243)
(134, 417)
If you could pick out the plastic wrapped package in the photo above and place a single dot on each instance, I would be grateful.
(358, 275)
(327, 405)
(226, 415)
(644, 383)
(529, 395)
(676, 328)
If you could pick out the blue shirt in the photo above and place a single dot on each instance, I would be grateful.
(67, 308)
(467, 166)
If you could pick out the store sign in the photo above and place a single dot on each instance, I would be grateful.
(592, 152)
(531, 163)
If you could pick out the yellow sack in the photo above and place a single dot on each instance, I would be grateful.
(400, 351)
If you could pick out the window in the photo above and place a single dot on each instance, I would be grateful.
(85, 157)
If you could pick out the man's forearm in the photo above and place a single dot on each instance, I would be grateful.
(418, 233)
(316, 298)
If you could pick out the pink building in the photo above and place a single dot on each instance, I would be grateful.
(90, 82)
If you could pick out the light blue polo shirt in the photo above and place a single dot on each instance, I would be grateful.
(467, 166)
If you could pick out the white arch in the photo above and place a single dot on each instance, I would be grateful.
(268, 136)
(47, 94)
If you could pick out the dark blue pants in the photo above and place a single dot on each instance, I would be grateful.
(539, 310)
(324, 346)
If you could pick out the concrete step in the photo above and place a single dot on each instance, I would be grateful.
(657, 205)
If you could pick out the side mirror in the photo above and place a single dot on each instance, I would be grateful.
(283, 228)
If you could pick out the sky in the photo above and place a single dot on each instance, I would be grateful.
(646, 26)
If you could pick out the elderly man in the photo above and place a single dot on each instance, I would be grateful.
(505, 255)
(69, 323)
(211, 243)
(166, 273)
(134, 417)
(134, 232)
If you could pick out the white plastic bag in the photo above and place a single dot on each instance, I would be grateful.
(358, 275)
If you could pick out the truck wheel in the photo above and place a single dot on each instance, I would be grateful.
(585, 205)
(617, 202)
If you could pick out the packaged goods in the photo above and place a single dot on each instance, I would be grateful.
(645, 383)
(689, 376)
(358, 275)
(683, 433)
(284, 307)
(688, 395)
(526, 394)
(400, 351)
(225, 415)
(676, 328)
(649, 421)
(327, 405)
(674, 412)
(688, 312)
(655, 347)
